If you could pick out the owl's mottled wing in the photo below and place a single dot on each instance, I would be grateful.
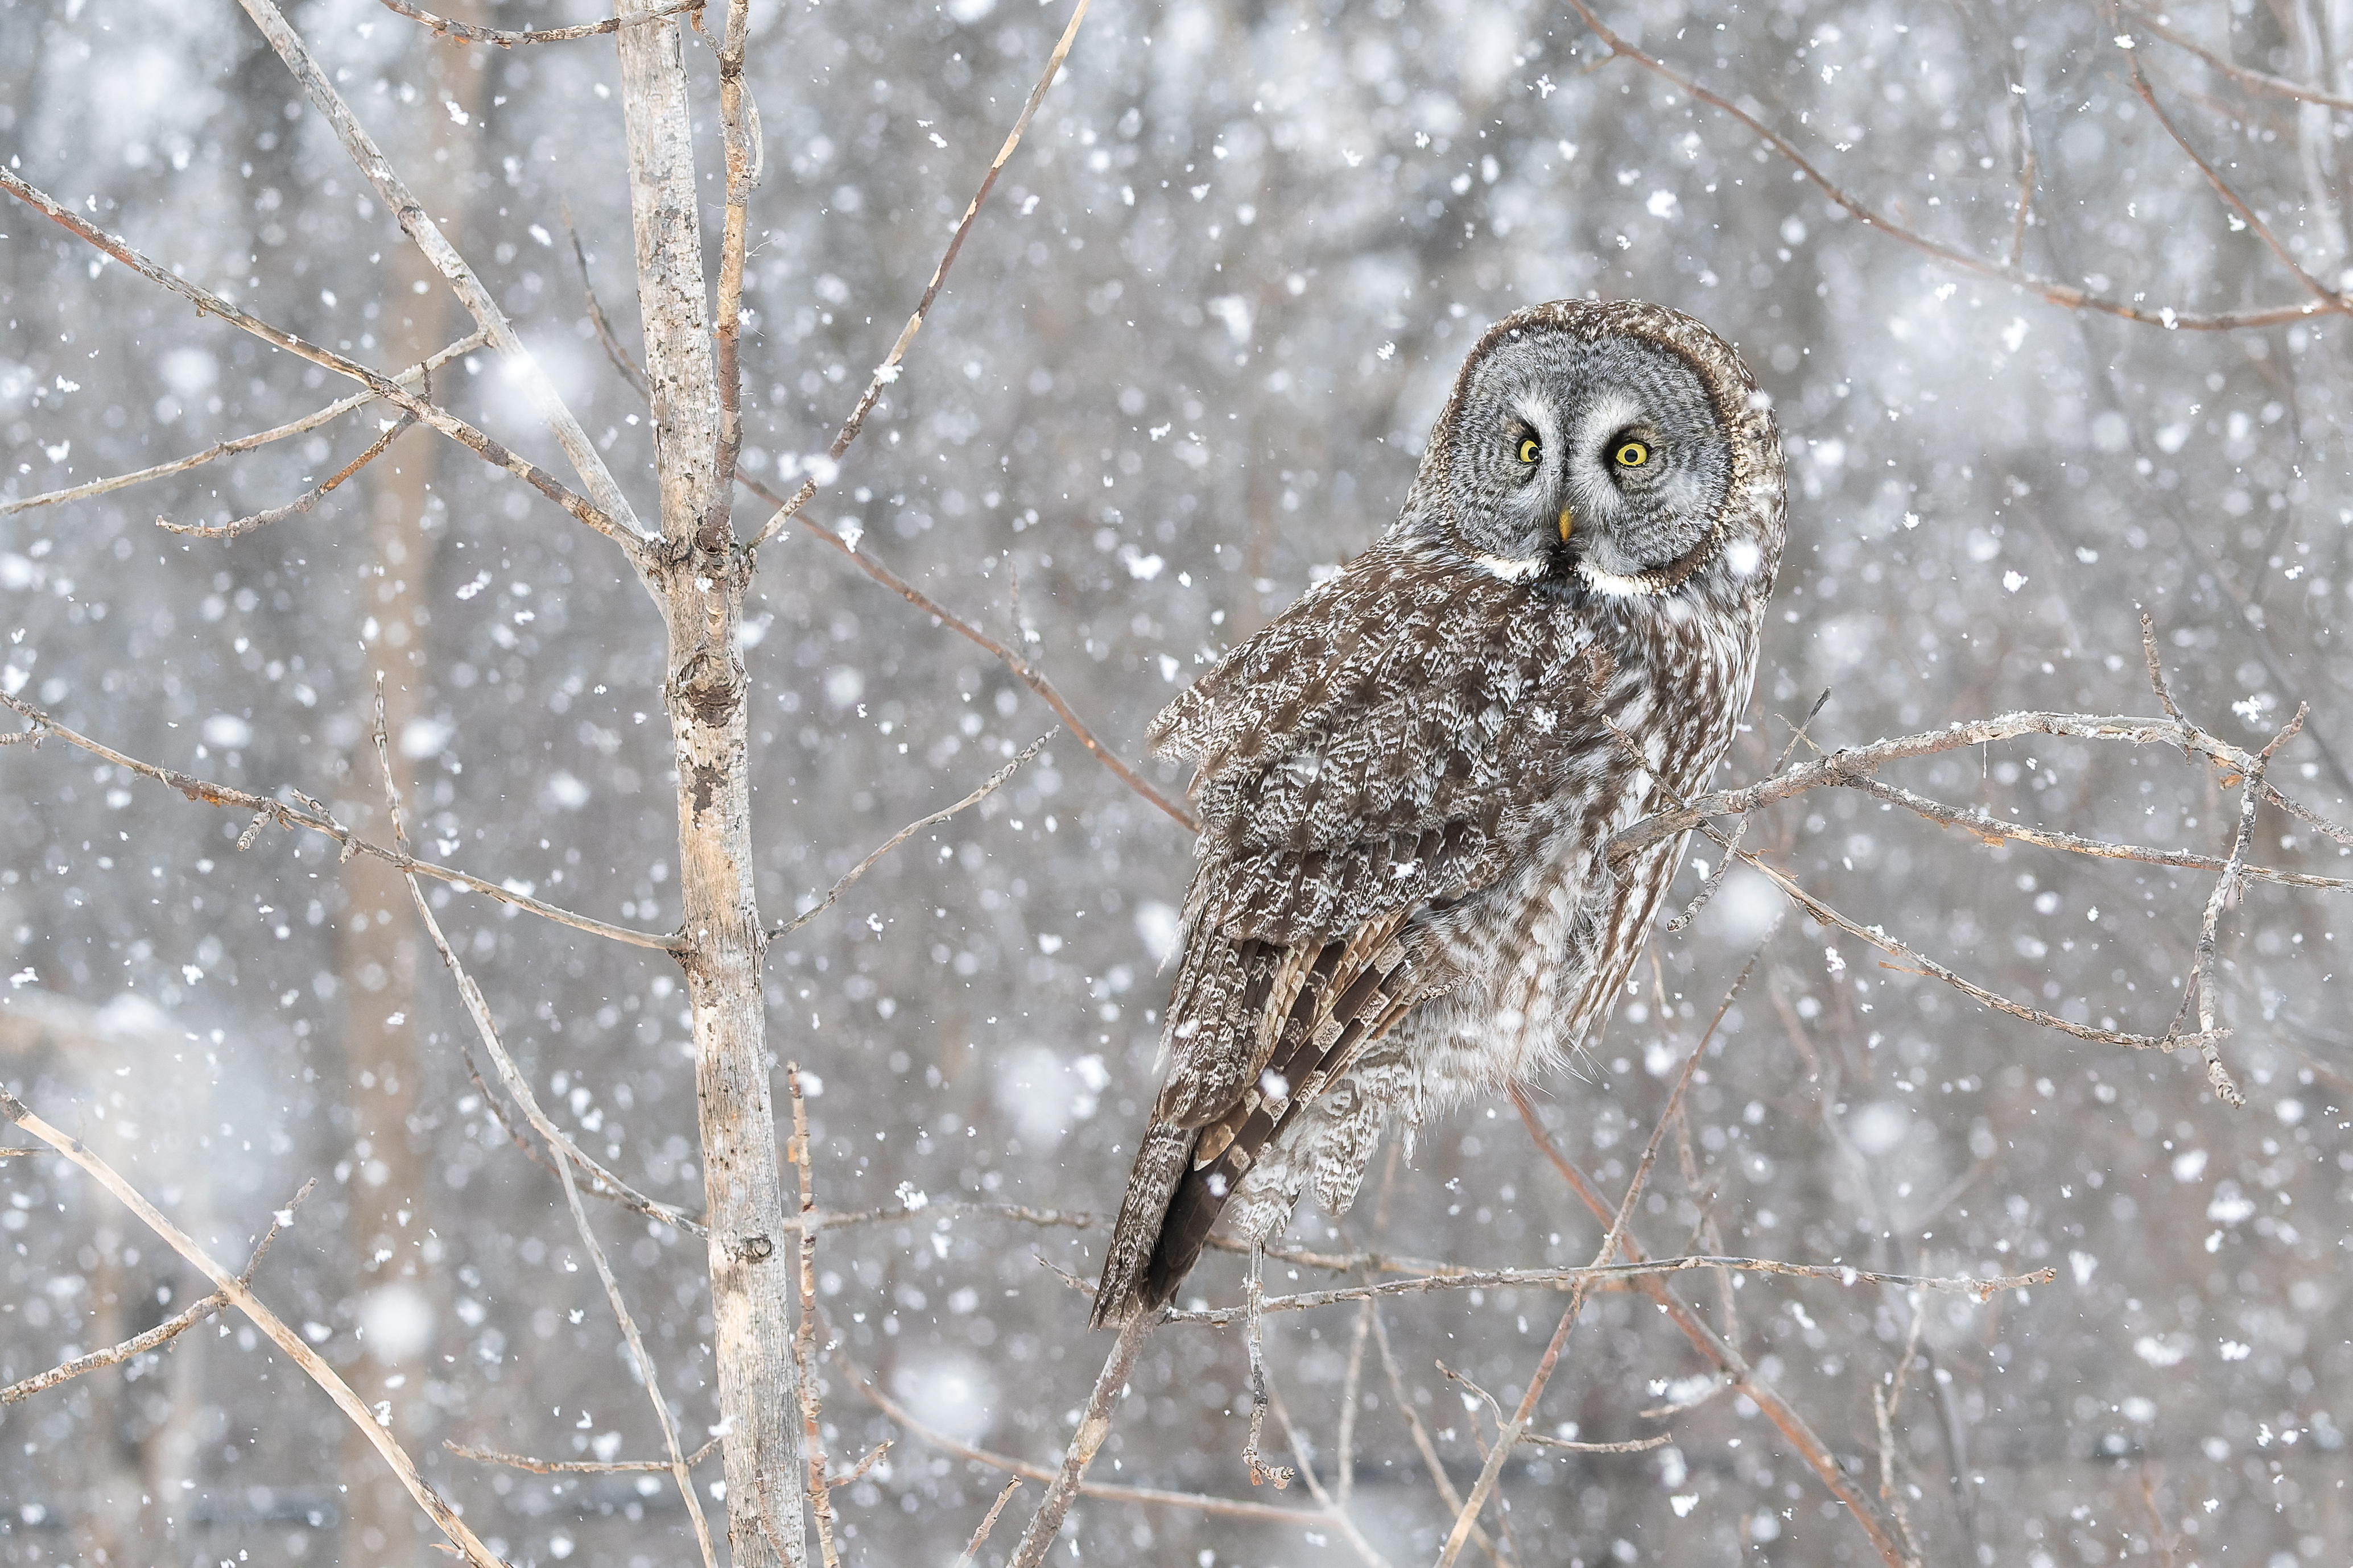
(1389, 743)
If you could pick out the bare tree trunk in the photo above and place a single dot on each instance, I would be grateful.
(700, 582)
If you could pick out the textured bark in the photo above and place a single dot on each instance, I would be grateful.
(699, 581)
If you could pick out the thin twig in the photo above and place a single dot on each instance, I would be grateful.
(1726, 1359)
(614, 515)
(2247, 215)
(1884, 1407)
(888, 371)
(229, 449)
(301, 503)
(313, 818)
(209, 303)
(1576, 1445)
(1714, 879)
(478, 1009)
(805, 1332)
(2025, 208)
(1447, 1491)
(1021, 667)
(573, 1467)
(2200, 984)
(1230, 1508)
(1851, 762)
(992, 784)
(1508, 1437)
(2261, 81)
(1993, 830)
(296, 1348)
(2057, 293)
(1260, 1472)
(971, 1554)
(1334, 1511)
(170, 1328)
(507, 38)
(1910, 960)
(1344, 1465)
(1095, 1425)
(1606, 1276)
(605, 334)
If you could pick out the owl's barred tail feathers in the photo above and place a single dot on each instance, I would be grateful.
(1130, 1283)
(1353, 992)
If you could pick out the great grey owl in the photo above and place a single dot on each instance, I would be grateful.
(1406, 780)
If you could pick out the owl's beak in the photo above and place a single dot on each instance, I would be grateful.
(1567, 522)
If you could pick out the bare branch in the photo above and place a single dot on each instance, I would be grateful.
(302, 503)
(2231, 198)
(1095, 1425)
(479, 1010)
(1334, 1511)
(2200, 984)
(888, 371)
(313, 1365)
(1575, 1446)
(1914, 962)
(1230, 1507)
(508, 38)
(573, 1467)
(1260, 1473)
(621, 520)
(1447, 1492)
(2025, 209)
(1714, 879)
(1508, 1437)
(2261, 81)
(229, 449)
(1885, 1405)
(312, 817)
(971, 1554)
(988, 788)
(804, 1332)
(1842, 766)
(1724, 1356)
(2057, 293)
(604, 334)
(170, 1328)
(1021, 668)
(209, 303)
(1607, 1275)
(1993, 830)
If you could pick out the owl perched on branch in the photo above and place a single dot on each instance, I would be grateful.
(1407, 780)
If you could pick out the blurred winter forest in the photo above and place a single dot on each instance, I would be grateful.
(1185, 362)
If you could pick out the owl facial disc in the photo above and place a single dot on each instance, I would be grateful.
(1596, 458)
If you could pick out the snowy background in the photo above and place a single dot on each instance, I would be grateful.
(1187, 361)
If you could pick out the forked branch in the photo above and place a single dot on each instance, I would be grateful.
(508, 37)
(235, 445)
(169, 1329)
(888, 371)
(292, 1344)
(382, 387)
(621, 521)
(2066, 295)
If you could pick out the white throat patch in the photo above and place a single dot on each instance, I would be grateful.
(1506, 568)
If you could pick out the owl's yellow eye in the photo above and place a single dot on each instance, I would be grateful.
(1631, 455)
(1529, 450)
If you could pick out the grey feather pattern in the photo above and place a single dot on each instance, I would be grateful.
(1406, 781)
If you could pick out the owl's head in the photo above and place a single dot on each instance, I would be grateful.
(1594, 442)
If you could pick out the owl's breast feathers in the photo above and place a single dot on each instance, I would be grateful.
(1410, 732)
